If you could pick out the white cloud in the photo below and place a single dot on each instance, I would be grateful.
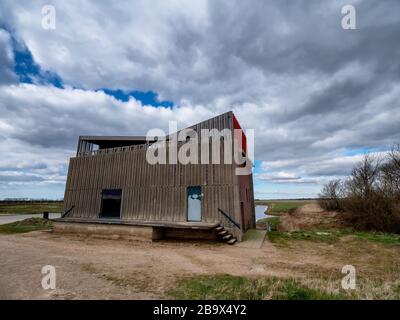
(288, 177)
(316, 169)
(39, 127)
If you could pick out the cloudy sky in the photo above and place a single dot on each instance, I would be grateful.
(317, 95)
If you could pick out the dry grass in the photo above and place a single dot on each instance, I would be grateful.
(309, 216)
(247, 288)
(30, 207)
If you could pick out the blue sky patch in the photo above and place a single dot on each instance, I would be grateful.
(146, 98)
(354, 152)
(29, 71)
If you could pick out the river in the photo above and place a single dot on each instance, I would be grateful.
(260, 212)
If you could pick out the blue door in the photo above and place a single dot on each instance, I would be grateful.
(194, 204)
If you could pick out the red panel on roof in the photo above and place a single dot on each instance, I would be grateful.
(239, 134)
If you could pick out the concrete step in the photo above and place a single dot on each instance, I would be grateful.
(219, 228)
(227, 237)
(231, 241)
(222, 233)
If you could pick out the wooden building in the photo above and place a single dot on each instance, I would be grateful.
(111, 183)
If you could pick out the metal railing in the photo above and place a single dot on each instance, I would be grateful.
(237, 225)
(67, 212)
(113, 150)
(144, 146)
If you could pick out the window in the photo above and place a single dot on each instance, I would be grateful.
(111, 203)
(194, 196)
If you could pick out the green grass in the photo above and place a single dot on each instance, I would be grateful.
(274, 222)
(312, 235)
(29, 208)
(27, 225)
(379, 237)
(242, 288)
(332, 236)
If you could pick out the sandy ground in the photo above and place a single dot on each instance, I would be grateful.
(95, 268)
(89, 268)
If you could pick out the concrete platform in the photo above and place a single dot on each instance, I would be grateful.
(146, 231)
(167, 224)
(253, 239)
(140, 233)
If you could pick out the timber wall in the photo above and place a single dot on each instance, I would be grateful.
(155, 192)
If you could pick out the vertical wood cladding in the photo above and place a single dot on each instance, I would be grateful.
(155, 192)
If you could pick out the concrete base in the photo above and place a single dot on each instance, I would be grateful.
(132, 232)
(187, 234)
(140, 233)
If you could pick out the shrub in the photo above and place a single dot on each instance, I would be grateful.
(370, 198)
(377, 212)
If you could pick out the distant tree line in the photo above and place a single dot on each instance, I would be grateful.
(28, 201)
(369, 198)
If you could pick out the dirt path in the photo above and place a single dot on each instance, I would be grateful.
(90, 268)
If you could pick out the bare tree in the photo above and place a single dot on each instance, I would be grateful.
(390, 174)
(370, 197)
(364, 176)
(331, 196)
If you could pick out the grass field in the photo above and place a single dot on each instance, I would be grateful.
(30, 207)
(333, 236)
(276, 207)
(27, 225)
(273, 221)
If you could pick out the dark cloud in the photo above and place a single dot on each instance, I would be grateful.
(7, 74)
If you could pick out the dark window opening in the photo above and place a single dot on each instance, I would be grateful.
(111, 203)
